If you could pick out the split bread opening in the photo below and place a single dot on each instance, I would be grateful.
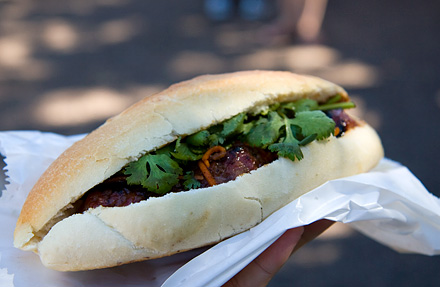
(100, 237)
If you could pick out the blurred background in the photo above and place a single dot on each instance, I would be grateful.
(66, 66)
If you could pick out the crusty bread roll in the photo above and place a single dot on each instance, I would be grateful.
(157, 227)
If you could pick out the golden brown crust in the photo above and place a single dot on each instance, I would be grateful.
(181, 109)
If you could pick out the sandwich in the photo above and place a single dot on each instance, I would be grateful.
(193, 165)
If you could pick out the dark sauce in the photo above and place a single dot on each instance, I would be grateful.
(342, 121)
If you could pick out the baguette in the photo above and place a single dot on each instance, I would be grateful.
(101, 237)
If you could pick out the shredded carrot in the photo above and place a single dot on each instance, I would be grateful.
(216, 152)
(337, 131)
(215, 149)
(211, 181)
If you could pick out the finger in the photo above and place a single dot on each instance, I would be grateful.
(312, 231)
(266, 265)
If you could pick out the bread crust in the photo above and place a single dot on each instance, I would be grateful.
(162, 226)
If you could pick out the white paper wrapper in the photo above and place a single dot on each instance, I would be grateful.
(388, 204)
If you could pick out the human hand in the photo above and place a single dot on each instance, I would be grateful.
(260, 271)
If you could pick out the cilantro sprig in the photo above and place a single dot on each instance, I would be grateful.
(288, 146)
(300, 131)
(265, 130)
(190, 181)
(156, 172)
(283, 128)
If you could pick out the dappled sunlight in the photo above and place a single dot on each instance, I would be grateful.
(310, 57)
(189, 64)
(60, 35)
(46, 52)
(117, 31)
(30, 45)
(264, 59)
(78, 106)
(69, 107)
(16, 61)
(316, 60)
(14, 52)
(298, 58)
(351, 74)
(138, 92)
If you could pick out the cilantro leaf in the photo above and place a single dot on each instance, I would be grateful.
(216, 139)
(233, 125)
(303, 105)
(166, 150)
(218, 134)
(137, 171)
(289, 145)
(183, 152)
(157, 173)
(265, 131)
(200, 138)
(190, 181)
(314, 122)
(290, 150)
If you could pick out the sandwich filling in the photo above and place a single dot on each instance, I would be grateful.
(223, 152)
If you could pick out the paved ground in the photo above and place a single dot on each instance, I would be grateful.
(66, 67)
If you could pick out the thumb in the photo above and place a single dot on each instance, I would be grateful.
(267, 264)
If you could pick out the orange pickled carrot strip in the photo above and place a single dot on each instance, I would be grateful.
(211, 181)
(215, 149)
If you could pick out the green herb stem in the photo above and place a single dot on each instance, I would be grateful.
(335, 99)
(333, 106)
